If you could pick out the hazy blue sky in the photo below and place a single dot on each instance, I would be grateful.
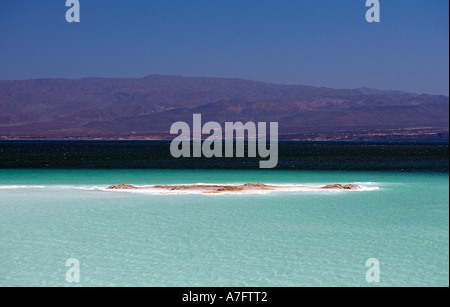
(310, 42)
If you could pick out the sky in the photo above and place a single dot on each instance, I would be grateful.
(325, 43)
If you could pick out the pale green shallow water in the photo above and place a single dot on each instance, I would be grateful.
(278, 239)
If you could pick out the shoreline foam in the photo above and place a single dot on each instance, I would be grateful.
(222, 188)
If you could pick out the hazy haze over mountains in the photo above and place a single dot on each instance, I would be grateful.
(100, 108)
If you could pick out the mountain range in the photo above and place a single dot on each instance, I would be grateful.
(145, 108)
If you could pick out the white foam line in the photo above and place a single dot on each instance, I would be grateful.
(283, 188)
(15, 187)
(289, 189)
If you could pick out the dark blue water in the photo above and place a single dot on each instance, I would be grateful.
(422, 157)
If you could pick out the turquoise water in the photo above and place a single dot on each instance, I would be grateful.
(303, 238)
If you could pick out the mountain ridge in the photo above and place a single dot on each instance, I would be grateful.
(145, 108)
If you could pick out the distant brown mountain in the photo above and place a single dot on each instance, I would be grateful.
(98, 108)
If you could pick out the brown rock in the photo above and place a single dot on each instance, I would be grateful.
(122, 187)
(225, 188)
(341, 187)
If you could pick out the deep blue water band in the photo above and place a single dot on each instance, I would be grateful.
(421, 157)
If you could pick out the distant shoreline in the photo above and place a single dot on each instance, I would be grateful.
(338, 142)
(397, 135)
